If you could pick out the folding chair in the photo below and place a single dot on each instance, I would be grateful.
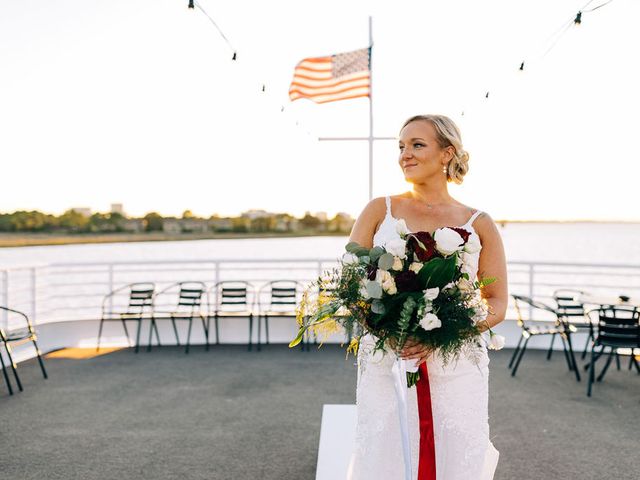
(138, 308)
(571, 312)
(529, 330)
(283, 296)
(617, 327)
(188, 305)
(24, 333)
(231, 299)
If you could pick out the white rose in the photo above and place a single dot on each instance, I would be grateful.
(496, 342)
(396, 247)
(416, 267)
(401, 228)
(431, 293)
(397, 264)
(447, 241)
(349, 258)
(430, 321)
(473, 244)
(386, 281)
(465, 285)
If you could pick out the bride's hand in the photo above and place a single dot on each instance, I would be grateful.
(415, 350)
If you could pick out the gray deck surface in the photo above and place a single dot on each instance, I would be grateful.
(231, 414)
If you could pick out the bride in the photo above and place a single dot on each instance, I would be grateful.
(448, 408)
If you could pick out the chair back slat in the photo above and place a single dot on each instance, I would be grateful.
(619, 326)
(140, 297)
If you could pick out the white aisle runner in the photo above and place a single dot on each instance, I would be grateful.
(337, 436)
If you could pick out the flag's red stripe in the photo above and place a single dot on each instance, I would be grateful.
(427, 464)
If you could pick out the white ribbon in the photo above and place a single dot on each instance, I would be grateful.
(399, 371)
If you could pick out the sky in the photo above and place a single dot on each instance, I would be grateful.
(138, 102)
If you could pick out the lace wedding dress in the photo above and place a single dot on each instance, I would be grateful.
(459, 415)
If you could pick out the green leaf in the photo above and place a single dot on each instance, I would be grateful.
(375, 253)
(385, 262)
(378, 307)
(352, 247)
(298, 338)
(374, 289)
(437, 272)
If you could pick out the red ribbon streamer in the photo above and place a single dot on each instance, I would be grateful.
(427, 463)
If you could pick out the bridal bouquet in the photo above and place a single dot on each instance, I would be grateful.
(417, 287)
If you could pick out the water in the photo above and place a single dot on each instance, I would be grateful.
(611, 243)
(64, 292)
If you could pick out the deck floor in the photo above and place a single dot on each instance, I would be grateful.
(229, 414)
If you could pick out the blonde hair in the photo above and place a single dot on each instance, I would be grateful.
(447, 135)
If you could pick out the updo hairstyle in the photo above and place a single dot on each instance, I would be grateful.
(447, 134)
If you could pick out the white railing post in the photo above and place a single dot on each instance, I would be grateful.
(110, 287)
(5, 298)
(531, 287)
(216, 273)
(34, 290)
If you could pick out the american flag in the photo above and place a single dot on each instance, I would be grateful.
(338, 77)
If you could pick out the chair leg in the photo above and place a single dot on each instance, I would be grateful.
(126, 331)
(617, 360)
(217, 331)
(186, 350)
(515, 352)
(586, 346)
(39, 355)
(14, 367)
(566, 352)
(591, 374)
(205, 328)
(151, 322)
(6, 376)
(99, 334)
(259, 332)
(515, 367)
(606, 365)
(250, 331)
(175, 331)
(266, 327)
(573, 357)
(553, 339)
(138, 335)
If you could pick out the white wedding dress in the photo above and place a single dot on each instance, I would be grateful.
(459, 407)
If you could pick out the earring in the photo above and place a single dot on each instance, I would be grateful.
(444, 169)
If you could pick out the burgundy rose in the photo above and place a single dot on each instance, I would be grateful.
(407, 281)
(462, 232)
(427, 250)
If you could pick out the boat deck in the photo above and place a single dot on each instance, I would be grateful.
(229, 413)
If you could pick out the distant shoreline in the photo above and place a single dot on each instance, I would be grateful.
(8, 240)
(22, 239)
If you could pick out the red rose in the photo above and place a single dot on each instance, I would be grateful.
(462, 232)
(427, 250)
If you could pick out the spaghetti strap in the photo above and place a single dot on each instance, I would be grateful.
(473, 217)
(388, 202)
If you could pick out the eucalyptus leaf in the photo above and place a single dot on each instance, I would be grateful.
(385, 262)
(374, 289)
(352, 247)
(375, 253)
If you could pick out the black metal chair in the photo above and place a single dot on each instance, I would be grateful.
(187, 298)
(617, 327)
(231, 299)
(283, 297)
(139, 307)
(572, 314)
(530, 330)
(24, 333)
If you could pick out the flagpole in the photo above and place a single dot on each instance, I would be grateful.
(370, 108)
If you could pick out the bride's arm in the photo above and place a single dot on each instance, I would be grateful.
(367, 222)
(492, 263)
